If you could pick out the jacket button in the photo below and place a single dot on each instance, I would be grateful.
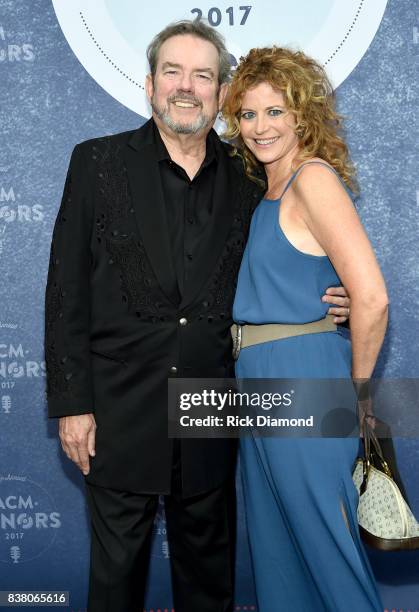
(183, 321)
(173, 370)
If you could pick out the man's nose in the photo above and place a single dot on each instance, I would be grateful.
(186, 83)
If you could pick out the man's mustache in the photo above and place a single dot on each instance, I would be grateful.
(184, 97)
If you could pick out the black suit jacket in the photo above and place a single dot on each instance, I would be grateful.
(112, 320)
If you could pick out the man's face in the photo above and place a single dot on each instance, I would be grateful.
(185, 95)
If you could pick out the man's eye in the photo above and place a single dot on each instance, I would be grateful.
(204, 76)
(275, 112)
(247, 115)
(170, 72)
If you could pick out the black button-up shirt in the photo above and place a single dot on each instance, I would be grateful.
(188, 205)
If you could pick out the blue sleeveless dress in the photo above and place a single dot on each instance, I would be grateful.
(301, 503)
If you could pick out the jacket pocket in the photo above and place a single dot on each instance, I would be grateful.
(108, 357)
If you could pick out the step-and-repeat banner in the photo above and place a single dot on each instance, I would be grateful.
(73, 70)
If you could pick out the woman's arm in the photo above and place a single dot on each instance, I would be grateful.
(330, 216)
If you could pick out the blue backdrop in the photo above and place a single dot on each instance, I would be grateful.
(49, 103)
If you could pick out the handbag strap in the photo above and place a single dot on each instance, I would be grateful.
(370, 440)
(370, 436)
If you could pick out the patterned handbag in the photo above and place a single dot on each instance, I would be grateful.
(385, 520)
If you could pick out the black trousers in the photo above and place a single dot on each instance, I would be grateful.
(201, 536)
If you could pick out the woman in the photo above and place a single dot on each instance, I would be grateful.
(305, 236)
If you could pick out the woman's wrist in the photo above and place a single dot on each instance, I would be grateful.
(362, 388)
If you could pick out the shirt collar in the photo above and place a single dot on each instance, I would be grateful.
(163, 154)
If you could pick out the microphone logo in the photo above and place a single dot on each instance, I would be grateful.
(6, 404)
(15, 554)
(2, 238)
(165, 549)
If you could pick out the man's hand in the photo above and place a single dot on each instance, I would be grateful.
(341, 303)
(77, 435)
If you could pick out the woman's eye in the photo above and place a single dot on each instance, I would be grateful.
(247, 115)
(275, 112)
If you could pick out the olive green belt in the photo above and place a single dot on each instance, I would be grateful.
(248, 335)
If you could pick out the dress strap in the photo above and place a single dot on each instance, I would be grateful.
(297, 172)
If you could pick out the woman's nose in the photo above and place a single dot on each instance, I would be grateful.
(260, 125)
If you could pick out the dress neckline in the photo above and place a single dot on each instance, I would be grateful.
(296, 173)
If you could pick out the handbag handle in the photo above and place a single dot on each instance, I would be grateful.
(369, 436)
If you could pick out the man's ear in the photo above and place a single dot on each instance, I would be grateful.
(222, 94)
(149, 86)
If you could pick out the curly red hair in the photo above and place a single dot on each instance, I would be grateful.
(308, 96)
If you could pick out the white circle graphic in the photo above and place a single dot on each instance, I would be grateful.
(110, 37)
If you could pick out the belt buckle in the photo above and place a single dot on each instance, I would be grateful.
(237, 342)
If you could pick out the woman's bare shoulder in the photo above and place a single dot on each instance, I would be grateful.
(318, 184)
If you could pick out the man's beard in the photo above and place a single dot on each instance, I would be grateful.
(178, 127)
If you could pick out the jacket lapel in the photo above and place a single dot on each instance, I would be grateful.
(150, 211)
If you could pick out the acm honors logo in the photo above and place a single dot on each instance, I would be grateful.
(12, 52)
(29, 520)
(12, 211)
(14, 364)
(160, 546)
(14, 367)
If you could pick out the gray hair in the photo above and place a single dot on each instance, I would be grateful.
(194, 28)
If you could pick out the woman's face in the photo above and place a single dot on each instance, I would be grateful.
(266, 126)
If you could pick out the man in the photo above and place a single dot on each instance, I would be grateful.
(145, 253)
